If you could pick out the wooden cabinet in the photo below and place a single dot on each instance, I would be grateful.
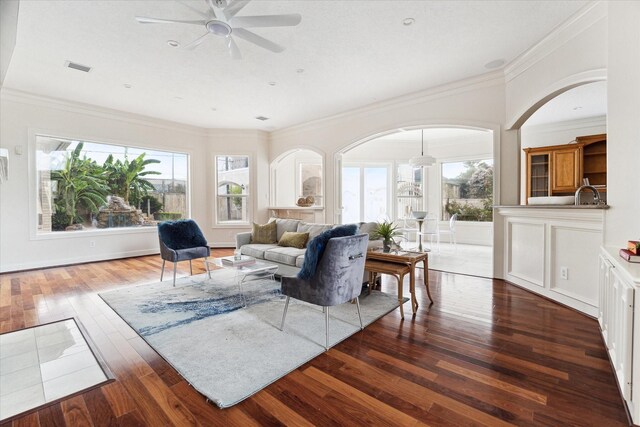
(559, 169)
(565, 172)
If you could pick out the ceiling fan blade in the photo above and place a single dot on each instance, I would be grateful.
(197, 42)
(193, 9)
(256, 39)
(146, 20)
(212, 7)
(267, 21)
(235, 7)
(233, 48)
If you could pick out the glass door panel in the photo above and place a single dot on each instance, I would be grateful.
(376, 181)
(350, 195)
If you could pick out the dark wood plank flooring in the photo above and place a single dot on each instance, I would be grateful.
(487, 353)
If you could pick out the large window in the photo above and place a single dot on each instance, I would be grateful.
(84, 185)
(365, 193)
(232, 189)
(467, 190)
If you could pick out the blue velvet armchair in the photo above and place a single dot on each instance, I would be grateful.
(337, 279)
(182, 240)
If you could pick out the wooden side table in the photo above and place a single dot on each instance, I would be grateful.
(396, 270)
(410, 259)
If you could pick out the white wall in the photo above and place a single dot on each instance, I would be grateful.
(622, 221)
(555, 134)
(575, 53)
(476, 103)
(8, 33)
(24, 115)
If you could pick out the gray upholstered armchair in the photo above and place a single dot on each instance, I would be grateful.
(182, 240)
(337, 279)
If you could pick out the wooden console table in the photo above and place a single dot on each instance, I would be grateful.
(376, 259)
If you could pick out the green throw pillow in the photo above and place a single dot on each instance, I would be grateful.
(266, 233)
(294, 240)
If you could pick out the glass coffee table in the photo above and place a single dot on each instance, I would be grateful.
(247, 270)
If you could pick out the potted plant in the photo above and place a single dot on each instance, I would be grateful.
(387, 231)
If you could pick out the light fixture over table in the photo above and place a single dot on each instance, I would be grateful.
(423, 159)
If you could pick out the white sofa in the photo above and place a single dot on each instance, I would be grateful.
(289, 259)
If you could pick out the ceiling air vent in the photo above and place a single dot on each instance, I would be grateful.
(77, 66)
(262, 118)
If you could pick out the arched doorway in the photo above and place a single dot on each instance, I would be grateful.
(377, 181)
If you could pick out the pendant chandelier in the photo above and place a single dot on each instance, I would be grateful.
(423, 159)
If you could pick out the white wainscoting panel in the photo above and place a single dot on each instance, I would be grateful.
(577, 250)
(539, 241)
(525, 256)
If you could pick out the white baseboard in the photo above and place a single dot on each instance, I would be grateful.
(5, 268)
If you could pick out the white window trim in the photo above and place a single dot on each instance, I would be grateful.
(251, 196)
(34, 234)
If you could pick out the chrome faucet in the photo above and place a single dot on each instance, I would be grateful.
(596, 194)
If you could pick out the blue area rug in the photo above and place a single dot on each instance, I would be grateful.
(228, 352)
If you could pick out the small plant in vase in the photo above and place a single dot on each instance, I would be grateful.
(387, 231)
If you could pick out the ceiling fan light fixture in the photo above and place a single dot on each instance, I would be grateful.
(218, 28)
(423, 159)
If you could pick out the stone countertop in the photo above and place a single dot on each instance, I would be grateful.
(555, 206)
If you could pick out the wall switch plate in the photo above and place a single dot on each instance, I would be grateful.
(564, 273)
(92, 243)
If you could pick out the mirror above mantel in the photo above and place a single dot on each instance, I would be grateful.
(297, 182)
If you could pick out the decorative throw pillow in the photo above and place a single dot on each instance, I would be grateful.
(294, 240)
(265, 233)
(316, 247)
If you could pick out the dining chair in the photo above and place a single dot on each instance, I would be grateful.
(451, 232)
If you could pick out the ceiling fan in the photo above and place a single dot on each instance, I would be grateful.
(220, 20)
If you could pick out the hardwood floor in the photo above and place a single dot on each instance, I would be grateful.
(487, 353)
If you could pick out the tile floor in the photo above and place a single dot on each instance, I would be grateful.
(465, 259)
(42, 364)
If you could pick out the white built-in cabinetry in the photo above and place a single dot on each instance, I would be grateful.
(553, 252)
(620, 327)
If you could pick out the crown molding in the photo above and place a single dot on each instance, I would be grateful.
(14, 95)
(490, 79)
(569, 29)
(566, 125)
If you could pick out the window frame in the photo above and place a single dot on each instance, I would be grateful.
(33, 187)
(250, 196)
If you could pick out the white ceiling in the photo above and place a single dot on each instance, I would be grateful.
(353, 53)
(589, 100)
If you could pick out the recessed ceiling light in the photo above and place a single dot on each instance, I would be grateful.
(127, 85)
(577, 108)
(496, 63)
(300, 70)
(272, 83)
(408, 21)
(173, 43)
(262, 118)
(214, 109)
(178, 97)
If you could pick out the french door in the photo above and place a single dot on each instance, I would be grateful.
(365, 193)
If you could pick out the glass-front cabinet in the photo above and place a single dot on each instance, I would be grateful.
(538, 182)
